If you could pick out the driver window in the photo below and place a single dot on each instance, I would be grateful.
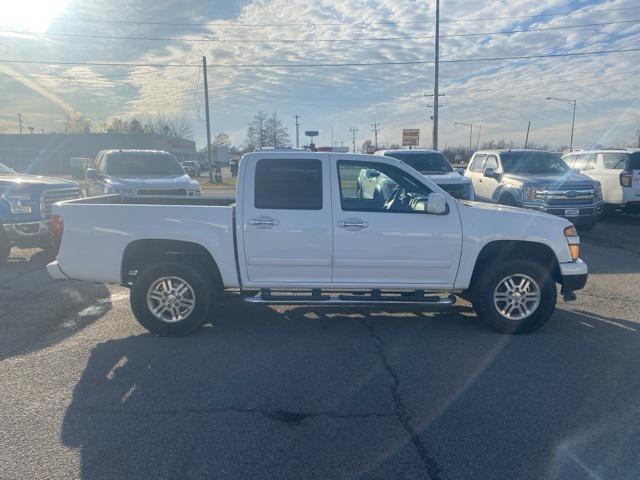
(492, 162)
(377, 187)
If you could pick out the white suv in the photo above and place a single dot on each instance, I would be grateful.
(618, 171)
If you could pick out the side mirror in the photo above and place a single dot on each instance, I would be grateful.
(490, 173)
(371, 173)
(91, 174)
(436, 204)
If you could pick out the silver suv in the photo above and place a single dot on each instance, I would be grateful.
(135, 173)
(538, 180)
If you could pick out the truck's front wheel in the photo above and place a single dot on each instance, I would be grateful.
(517, 297)
(171, 299)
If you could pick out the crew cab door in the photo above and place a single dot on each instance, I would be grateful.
(390, 248)
(286, 222)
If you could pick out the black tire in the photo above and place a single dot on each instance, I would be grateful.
(507, 199)
(5, 247)
(490, 278)
(202, 290)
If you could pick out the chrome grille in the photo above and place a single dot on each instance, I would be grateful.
(566, 196)
(170, 191)
(49, 197)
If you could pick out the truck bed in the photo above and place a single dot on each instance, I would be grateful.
(98, 230)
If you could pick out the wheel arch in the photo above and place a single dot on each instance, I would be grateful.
(139, 252)
(505, 191)
(505, 250)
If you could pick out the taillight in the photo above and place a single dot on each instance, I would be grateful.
(626, 178)
(56, 229)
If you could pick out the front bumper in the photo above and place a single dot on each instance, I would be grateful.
(28, 234)
(586, 213)
(55, 272)
(574, 275)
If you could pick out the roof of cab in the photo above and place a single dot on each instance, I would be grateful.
(403, 150)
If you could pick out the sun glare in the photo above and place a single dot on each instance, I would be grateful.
(31, 15)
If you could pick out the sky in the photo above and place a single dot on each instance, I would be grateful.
(156, 68)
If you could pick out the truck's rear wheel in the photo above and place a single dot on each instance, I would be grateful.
(517, 297)
(171, 299)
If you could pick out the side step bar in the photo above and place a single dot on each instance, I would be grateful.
(368, 299)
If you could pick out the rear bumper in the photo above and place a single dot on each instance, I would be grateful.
(55, 272)
(574, 275)
(28, 234)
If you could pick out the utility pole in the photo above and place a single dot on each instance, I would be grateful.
(297, 131)
(353, 131)
(436, 75)
(526, 140)
(376, 129)
(20, 122)
(206, 107)
(573, 101)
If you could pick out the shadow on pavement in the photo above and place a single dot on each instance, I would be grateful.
(326, 393)
(37, 311)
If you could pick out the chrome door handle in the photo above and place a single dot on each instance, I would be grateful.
(263, 222)
(352, 224)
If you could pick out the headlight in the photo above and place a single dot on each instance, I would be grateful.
(597, 190)
(529, 194)
(573, 240)
(19, 202)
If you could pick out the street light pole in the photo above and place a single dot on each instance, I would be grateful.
(436, 77)
(470, 125)
(573, 101)
(297, 131)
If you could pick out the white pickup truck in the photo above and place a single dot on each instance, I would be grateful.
(299, 234)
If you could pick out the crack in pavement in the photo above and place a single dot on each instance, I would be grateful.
(433, 469)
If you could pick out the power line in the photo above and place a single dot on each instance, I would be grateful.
(306, 40)
(316, 24)
(320, 65)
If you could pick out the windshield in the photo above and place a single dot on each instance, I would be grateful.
(139, 164)
(4, 170)
(427, 162)
(532, 162)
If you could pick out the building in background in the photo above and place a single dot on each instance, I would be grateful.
(52, 153)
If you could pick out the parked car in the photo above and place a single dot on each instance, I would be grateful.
(618, 171)
(25, 208)
(137, 173)
(298, 225)
(191, 167)
(536, 180)
(432, 164)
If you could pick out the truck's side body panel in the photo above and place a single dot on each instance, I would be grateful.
(96, 236)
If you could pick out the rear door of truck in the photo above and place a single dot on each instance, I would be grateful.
(286, 220)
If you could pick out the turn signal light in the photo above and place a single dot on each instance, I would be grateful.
(574, 249)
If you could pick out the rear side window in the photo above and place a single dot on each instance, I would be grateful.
(614, 161)
(633, 163)
(288, 184)
(476, 164)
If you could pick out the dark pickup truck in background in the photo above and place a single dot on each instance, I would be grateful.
(25, 208)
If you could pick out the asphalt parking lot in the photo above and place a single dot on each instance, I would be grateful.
(316, 393)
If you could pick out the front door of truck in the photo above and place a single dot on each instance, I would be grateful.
(389, 244)
(287, 227)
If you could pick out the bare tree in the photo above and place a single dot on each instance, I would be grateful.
(277, 132)
(257, 132)
(76, 123)
(222, 140)
(170, 126)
